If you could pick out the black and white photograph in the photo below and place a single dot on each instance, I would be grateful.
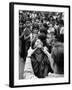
(41, 45)
(41, 37)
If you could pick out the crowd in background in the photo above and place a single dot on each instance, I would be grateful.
(48, 27)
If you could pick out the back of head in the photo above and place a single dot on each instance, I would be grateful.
(58, 56)
(41, 36)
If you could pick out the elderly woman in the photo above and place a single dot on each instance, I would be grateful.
(37, 62)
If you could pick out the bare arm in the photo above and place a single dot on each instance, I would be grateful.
(28, 71)
(47, 53)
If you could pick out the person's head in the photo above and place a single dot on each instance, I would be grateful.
(43, 30)
(37, 21)
(35, 28)
(28, 23)
(50, 25)
(45, 25)
(44, 20)
(42, 36)
(48, 39)
(57, 58)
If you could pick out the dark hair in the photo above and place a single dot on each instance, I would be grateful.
(35, 26)
(42, 37)
(58, 56)
(43, 30)
(45, 25)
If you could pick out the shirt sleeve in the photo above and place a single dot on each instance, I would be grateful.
(28, 71)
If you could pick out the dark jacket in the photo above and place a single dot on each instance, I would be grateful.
(42, 68)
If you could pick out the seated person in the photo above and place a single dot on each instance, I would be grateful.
(37, 62)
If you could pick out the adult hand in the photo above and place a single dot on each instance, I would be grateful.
(30, 51)
(45, 49)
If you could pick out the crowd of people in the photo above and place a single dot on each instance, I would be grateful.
(41, 43)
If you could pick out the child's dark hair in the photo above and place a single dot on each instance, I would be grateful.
(35, 26)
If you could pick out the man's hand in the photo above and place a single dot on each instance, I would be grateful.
(45, 50)
(30, 51)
